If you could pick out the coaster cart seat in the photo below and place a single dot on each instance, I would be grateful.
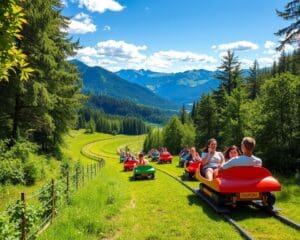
(241, 184)
(191, 169)
(165, 157)
(129, 164)
(122, 158)
(144, 172)
(155, 157)
(182, 159)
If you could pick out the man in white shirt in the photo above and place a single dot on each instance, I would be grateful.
(247, 159)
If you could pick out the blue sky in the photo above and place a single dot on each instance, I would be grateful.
(174, 35)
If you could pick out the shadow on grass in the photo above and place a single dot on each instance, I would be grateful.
(177, 166)
(246, 212)
(133, 179)
(241, 212)
(184, 177)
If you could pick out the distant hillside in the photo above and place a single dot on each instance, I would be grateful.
(184, 87)
(114, 106)
(99, 81)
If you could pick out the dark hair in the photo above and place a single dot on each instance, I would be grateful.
(227, 151)
(141, 154)
(205, 149)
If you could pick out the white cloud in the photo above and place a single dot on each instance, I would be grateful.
(88, 51)
(172, 55)
(88, 60)
(101, 5)
(246, 63)
(81, 24)
(274, 55)
(121, 49)
(265, 62)
(222, 54)
(270, 48)
(64, 3)
(237, 46)
(289, 48)
(177, 61)
(106, 28)
(115, 55)
(269, 45)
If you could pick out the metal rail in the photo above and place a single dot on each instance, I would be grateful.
(274, 212)
(240, 229)
(223, 211)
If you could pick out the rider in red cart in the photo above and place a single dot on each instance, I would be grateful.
(192, 157)
(247, 158)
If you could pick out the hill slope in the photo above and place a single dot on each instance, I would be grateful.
(184, 87)
(114, 106)
(99, 81)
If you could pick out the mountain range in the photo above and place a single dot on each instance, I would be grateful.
(184, 87)
(99, 81)
(155, 89)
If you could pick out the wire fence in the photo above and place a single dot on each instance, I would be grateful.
(33, 213)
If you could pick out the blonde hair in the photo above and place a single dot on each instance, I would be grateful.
(249, 143)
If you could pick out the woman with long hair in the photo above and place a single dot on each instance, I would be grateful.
(212, 159)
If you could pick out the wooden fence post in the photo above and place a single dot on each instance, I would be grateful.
(52, 200)
(23, 220)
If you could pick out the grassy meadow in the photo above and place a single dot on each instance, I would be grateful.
(113, 206)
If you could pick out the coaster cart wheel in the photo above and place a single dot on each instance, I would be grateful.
(271, 199)
(136, 176)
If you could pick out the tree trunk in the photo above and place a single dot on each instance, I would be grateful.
(16, 118)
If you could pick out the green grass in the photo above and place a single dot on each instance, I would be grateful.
(160, 208)
(288, 200)
(47, 167)
(92, 212)
(153, 209)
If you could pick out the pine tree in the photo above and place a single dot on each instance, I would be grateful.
(172, 135)
(193, 112)
(283, 63)
(91, 126)
(189, 135)
(206, 120)
(278, 137)
(292, 32)
(229, 73)
(253, 81)
(234, 118)
(274, 69)
(45, 106)
(183, 115)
